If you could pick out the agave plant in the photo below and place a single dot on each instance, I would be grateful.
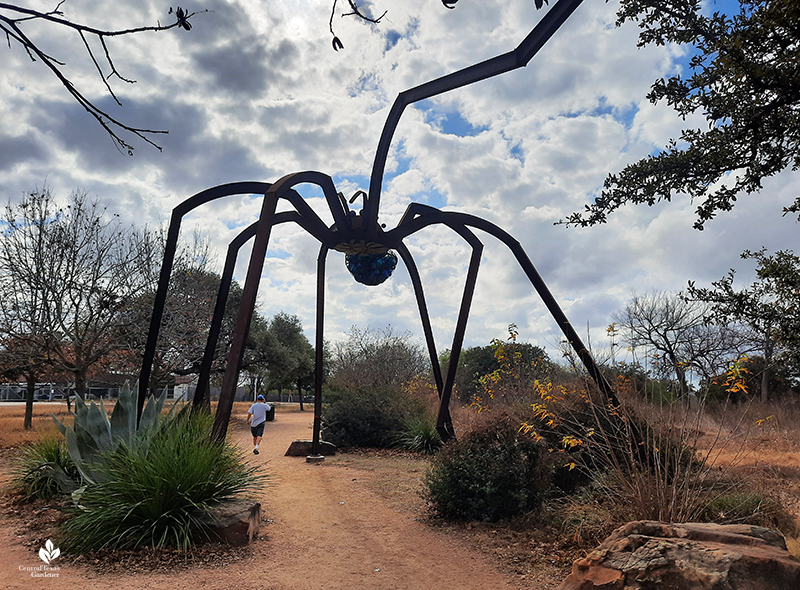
(94, 433)
(159, 495)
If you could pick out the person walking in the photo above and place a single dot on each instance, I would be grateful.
(256, 417)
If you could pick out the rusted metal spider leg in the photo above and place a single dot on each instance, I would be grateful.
(242, 328)
(201, 395)
(444, 425)
(418, 216)
(280, 189)
(495, 66)
(423, 313)
(319, 342)
(170, 247)
(550, 302)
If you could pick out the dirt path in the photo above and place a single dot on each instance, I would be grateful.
(326, 531)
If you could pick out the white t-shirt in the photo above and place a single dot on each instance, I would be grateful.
(259, 411)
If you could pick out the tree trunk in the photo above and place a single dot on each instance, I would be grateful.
(680, 372)
(28, 422)
(768, 348)
(80, 384)
(300, 393)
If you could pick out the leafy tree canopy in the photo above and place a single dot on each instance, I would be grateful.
(770, 306)
(476, 362)
(745, 81)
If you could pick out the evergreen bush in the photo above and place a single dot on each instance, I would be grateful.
(493, 472)
(367, 417)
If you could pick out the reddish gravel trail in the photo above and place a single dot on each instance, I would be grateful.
(326, 531)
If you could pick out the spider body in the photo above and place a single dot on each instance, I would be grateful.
(371, 252)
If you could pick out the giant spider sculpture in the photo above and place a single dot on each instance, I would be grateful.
(369, 249)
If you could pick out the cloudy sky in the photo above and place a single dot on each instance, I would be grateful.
(254, 91)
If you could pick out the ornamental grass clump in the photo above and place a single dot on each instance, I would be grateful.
(40, 469)
(420, 435)
(158, 495)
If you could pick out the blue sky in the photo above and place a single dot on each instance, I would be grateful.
(255, 92)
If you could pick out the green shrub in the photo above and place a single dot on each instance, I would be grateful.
(157, 494)
(40, 470)
(734, 506)
(420, 436)
(367, 417)
(492, 472)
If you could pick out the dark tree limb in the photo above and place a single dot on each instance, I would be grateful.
(355, 11)
(13, 18)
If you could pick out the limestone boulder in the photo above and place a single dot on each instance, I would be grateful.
(647, 555)
(235, 523)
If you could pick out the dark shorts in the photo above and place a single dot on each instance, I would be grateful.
(257, 430)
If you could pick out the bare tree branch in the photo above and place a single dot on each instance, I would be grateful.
(12, 17)
(355, 11)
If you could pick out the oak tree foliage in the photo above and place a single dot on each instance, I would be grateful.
(744, 80)
(769, 307)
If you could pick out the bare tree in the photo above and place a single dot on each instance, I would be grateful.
(366, 16)
(23, 358)
(188, 312)
(65, 275)
(22, 300)
(377, 358)
(676, 329)
(354, 11)
(14, 20)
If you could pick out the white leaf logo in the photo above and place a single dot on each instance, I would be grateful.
(48, 553)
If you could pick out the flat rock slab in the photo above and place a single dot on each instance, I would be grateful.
(648, 555)
(235, 523)
(302, 448)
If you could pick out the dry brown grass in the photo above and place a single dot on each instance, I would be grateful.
(759, 445)
(465, 417)
(12, 433)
